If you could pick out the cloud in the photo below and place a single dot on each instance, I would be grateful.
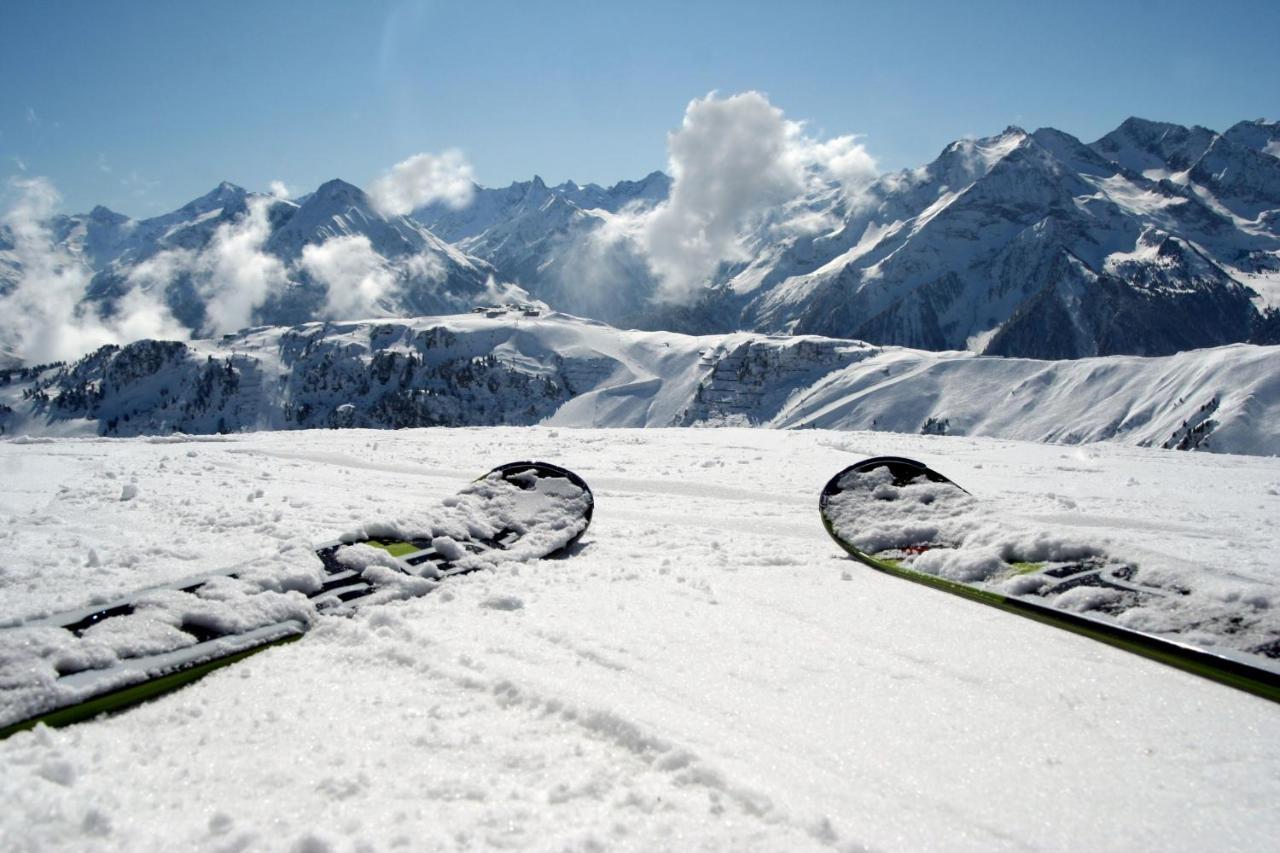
(733, 161)
(843, 159)
(279, 189)
(728, 161)
(357, 278)
(234, 275)
(423, 179)
(44, 317)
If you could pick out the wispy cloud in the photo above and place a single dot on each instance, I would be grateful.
(234, 275)
(44, 317)
(356, 278)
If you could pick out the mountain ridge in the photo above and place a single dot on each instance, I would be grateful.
(521, 367)
(1153, 239)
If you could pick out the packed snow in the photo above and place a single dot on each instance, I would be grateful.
(706, 670)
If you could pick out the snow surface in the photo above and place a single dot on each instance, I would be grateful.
(707, 671)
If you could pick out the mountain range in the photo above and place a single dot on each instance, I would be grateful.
(1154, 239)
(522, 367)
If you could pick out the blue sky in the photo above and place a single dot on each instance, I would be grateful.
(144, 105)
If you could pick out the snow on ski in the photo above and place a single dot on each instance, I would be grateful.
(72, 666)
(899, 516)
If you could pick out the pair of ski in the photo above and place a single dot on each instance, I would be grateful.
(892, 514)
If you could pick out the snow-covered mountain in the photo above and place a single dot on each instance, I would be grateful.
(1152, 240)
(512, 367)
(541, 236)
(331, 253)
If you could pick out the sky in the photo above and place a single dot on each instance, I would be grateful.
(142, 106)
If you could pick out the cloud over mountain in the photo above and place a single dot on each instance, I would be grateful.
(423, 179)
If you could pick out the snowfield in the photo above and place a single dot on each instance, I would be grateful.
(707, 671)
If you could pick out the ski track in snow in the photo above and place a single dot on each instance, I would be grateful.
(706, 672)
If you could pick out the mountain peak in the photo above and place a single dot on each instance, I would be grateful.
(1142, 127)
(220, 196)
(341, 191)
(224, 189)
(106, 214)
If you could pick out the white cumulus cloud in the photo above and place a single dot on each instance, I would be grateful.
(423, 179)
(728, 161)
(732, 161)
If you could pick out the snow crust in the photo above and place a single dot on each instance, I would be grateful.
(707, 671)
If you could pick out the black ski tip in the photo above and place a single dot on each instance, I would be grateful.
(902, 469)
(547, 469)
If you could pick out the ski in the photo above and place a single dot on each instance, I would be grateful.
(73, 666)
(901, 517)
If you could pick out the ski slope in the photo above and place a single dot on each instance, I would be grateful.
(707, 672)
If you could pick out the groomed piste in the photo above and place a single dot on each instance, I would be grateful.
(707, 670)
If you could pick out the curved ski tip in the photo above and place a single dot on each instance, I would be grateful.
(547, 469)
(903, 470)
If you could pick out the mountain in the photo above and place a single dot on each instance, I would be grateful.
(541, 236)
(1154, 239)
(330, 253)
(1037, 245)
(514, 367)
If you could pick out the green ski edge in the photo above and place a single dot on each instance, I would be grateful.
(1196, 661)
(136, 694)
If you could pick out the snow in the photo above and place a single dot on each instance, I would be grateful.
(706, 671)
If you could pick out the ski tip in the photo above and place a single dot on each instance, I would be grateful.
(547, 469)
(902, 469)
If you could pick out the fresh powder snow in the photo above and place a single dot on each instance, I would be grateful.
(706, 670)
